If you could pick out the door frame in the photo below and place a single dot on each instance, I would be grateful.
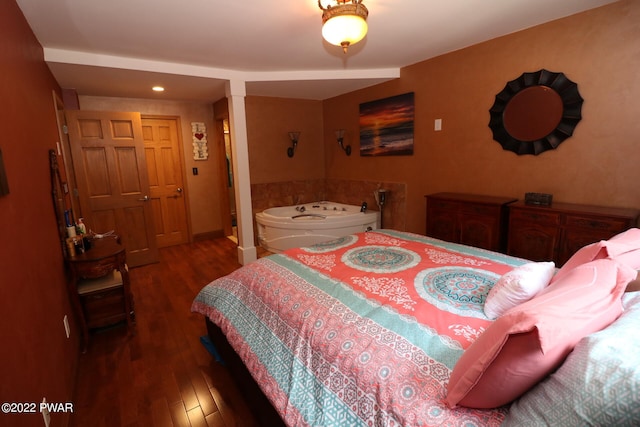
(225, 205)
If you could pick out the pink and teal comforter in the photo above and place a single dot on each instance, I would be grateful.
(360, 331)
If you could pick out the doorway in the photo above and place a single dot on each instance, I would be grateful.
(228, 192)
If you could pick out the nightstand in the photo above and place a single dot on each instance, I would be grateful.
(99, 286)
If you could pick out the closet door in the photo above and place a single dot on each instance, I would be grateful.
(107, 149)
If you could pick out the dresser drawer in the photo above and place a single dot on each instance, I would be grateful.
(535, 216)
(447, 205)
(104, 308)
(485, 210)
(101, 299)
(597, 223)
(91, 270)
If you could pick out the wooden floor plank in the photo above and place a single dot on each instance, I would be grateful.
(196, 417)
(179, 415)
(160, 414)
(188, 394)
(215, 420)
(207, 404)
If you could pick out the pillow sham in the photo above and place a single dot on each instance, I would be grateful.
(517, 286)
(529, 341)
(623, 247)
(598, 384)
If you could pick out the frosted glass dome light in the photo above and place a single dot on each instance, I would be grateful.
(345, 23)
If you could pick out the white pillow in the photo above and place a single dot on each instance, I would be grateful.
(517, 286)
(598, 384)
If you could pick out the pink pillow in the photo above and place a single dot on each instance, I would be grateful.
(583, 255)
(517, 286)
(531, 340)
(623, 247)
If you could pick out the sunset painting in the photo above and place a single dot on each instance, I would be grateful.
(386, 126)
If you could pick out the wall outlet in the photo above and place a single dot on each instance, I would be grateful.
(67, 330)
(46, 416)
(437, 125)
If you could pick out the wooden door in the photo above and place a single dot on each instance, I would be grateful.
(107, 149)
(164, 166)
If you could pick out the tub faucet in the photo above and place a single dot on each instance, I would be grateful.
(301, 209)
(363, 207)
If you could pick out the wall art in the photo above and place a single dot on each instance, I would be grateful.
(386, 126)
(200, 149)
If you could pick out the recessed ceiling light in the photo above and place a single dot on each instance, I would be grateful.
(158, 89)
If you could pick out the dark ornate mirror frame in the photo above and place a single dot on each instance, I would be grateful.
(564, 119)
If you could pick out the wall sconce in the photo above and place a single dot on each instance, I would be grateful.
(294, 143)
(340, 138)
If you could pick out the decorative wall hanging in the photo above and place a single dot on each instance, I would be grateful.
(386, 126)
(535, 112)
(200, 150)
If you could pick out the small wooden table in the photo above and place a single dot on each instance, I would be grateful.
(99, 287)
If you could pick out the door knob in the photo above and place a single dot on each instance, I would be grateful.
(179, 189)
(144, 199)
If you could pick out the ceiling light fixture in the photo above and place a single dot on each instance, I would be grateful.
(158, 89)
(344, 23)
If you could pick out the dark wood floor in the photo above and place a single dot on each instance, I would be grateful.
(162, 375)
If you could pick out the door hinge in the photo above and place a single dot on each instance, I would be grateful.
(65, 129)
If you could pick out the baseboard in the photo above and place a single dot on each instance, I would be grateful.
(208, 235)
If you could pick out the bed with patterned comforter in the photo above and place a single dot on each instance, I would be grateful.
(360, 331)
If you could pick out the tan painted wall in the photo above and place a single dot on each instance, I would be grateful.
(203, 190)
(598, 49)
(269, 121)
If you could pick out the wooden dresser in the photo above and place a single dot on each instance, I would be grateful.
(554, 233)
(470, 219)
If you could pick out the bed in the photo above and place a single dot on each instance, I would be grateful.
(368, 330)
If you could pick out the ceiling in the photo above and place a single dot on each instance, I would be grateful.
(121, 48)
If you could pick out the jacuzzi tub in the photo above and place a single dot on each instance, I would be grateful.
(288, 227)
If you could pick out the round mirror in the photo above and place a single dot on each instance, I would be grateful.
(535, 112)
